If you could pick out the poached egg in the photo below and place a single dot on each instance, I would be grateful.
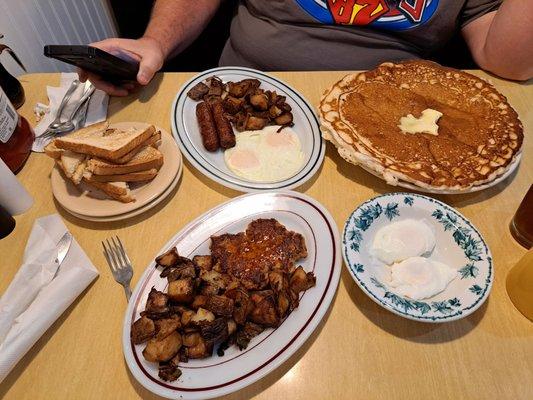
(400, 240)
(265, 155)
(419, 277)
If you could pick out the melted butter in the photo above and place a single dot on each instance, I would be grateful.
(427, 123)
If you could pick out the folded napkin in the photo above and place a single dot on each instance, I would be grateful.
(34, 300)
(97, 111)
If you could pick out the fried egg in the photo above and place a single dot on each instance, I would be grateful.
(419, 278)
(265, 155)
(400, 240)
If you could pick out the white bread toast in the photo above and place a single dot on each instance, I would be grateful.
(105, 143)
(130, 177)
(140, 163)
(117, 190)
(73, 165)
(147, 158)
(153, 141)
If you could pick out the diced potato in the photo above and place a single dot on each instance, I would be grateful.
(191, 339)
(186, 317)
(169, 258)
(201, 350)
(219, 305)
(203, 262)
(300, 280)
(181, 290)
(202, 315)
(232, 327)
(142, 330)
(199, 301)
(166, 326)
(162, 350)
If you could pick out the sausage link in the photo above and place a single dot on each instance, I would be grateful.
(224, 129)
(208, 129)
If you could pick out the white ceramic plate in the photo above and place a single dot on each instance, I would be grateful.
(211, 164)
(137, 211)
(459, 245)
(80, 203)
(217, 376)
(510, 169)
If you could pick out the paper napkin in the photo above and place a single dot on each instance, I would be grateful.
(97, 111)
(33, 300)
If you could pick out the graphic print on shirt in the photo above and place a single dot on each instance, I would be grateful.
(393, 15)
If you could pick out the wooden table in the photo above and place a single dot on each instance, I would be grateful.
(359, 350)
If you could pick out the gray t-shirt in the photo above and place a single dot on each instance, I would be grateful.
(343, 34)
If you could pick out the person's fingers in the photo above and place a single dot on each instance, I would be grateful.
(148, 51)
(82, 74)
(145, 51)
(127, 49)
(128, 85)
(147, 69)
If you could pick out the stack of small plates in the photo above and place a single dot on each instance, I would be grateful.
(89, 206)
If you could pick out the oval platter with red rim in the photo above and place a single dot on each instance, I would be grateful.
(217, 376)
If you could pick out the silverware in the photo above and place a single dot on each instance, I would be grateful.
(57, 121)
(62, 250)
(69, 125)
(119, 263)
(82, 114)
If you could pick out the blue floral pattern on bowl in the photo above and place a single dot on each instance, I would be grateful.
(459, 244)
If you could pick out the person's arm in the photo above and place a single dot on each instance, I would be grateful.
(174, 24)
(502, 41)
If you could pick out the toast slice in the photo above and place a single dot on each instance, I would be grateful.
(73, 165)
(52, 151)
(153, 141)
(117, 190)
(131, 177)
(145, 159)
(99, 141)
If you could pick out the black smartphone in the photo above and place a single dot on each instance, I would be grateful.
(94, 60)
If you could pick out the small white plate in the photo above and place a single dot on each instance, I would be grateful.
(137, 211)
(459, 245)
(80, 203)
(211, 164)
(217, 376)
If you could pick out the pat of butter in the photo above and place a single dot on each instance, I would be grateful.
(427, 123)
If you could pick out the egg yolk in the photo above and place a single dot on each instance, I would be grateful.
(280, 139)
(244, 159)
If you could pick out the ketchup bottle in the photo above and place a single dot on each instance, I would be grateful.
(16, 135)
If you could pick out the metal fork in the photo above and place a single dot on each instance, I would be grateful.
(119, 263)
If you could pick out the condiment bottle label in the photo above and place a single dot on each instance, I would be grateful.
(8, 118)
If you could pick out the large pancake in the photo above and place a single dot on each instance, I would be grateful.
(478, 137)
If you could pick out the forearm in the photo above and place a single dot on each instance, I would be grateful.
(175, 24)
(505, 44)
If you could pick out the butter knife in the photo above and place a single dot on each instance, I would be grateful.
(62, 249)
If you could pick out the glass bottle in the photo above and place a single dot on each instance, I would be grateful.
(10, 84)
(7, 223)
(16, 135)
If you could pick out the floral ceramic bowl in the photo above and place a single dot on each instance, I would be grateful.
(459, 245)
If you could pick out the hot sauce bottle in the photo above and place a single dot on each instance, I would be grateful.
(16, 135)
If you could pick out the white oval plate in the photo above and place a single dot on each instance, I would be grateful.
(217, 376)
(211, 164)
(459, 245)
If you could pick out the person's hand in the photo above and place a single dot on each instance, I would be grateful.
(146, 51)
